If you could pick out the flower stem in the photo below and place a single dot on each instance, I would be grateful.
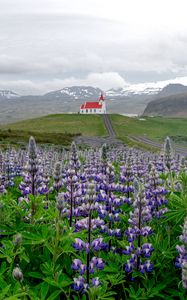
(88, 254)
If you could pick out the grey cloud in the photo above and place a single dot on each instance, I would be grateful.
(101, 80)
(60, 45)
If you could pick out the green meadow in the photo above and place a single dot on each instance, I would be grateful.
(61, 128)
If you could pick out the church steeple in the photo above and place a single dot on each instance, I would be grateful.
(101, 98)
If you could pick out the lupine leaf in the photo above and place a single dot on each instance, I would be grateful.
(4, 292)
(44, 290)
(54, 295)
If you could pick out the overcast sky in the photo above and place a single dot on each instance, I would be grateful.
(49, 44)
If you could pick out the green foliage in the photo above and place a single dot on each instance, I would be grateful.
(45, 253)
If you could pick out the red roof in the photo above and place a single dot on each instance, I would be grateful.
(91, 105)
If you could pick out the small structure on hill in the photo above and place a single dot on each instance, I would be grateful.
(98, 107)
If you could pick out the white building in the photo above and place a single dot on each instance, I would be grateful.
(98, 107)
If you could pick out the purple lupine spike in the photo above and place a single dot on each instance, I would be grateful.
(57, 176)
(137, 220)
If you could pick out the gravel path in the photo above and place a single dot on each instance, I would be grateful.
(95, 141)
(146, 141)
(108, 125)
(110, 140)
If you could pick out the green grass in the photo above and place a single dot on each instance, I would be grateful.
(61, 128)
(19, 137)
(52, 129)
(157, 128)
(90, 125)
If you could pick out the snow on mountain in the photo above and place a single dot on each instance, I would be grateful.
(148, 88)
(82, 93)
(6, 94)
(76, 92)
(135, 89)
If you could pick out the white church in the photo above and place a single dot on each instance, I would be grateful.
(98, 107)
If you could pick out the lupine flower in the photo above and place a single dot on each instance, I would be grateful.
(84, 224)
(78, 284)
(138, 221)
(76, 264)
(98, 263)
(74, 159)
(57, 176)
(95, 281)
(90, 246)
(79, 244)
(98, 244)
(155, 193)
(168, 152)
(146, 267)
(146, 250)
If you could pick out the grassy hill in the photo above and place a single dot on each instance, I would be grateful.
(61, 128)
(56, 129)
(156, 128)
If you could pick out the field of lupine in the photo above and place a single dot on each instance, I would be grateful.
(93, 224)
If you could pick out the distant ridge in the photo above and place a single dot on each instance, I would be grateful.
(128, 100)
(172, 102)
(75, 93)
(172, 89)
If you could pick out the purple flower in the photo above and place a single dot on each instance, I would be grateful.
(79, 244)
(148, 266)
(95, 281)
(98, 244)
(97, 263)
(78, 284)
(147, 249)
(129, 249)
(82, 269)
(129, 265)
(131, 234)
(76, 264)
(146, 231)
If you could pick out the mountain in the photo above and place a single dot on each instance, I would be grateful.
(75, 93)
(160, 88)
(134, 90)
(132, 99)
(172, 89)
(66, 100)
(173, 105)
(6, 94)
